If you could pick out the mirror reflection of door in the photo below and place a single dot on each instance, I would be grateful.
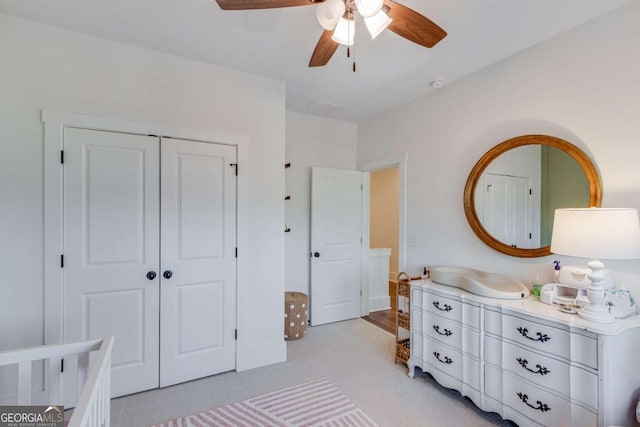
(509, 201)
(506, 211)
(520, 190)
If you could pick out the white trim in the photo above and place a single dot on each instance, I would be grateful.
(366, 207)
(401, 162)
(54, 124)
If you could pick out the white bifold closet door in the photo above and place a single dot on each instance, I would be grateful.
(197, 304)
(149, 255)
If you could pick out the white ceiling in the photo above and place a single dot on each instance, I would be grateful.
(278, 43)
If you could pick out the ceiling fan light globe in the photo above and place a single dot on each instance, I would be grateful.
(344, 32)
(329, 12)
(369, 8)
(377, 23)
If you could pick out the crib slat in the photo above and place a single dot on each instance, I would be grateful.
(83, 369)
(24, 383)
(55, 381)
(107, 394)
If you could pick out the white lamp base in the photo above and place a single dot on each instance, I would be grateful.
(596, 311)
(588, 313)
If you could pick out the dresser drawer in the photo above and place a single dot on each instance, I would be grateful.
(534, 403)
(451, 362)
(416, 297)
(416, 319)
(452, 333)
(416, 346)
(544, 371)
(442, 306)
(543, 338)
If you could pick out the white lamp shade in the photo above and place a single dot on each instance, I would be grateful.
(377, 23)
(602, 233)
(368, 8)
(344, 32)
(329, 12)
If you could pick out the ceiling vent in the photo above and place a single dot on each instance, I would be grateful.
(321, 107)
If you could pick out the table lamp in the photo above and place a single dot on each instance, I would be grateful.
(596, 233)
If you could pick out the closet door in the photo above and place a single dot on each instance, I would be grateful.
(111, 245)
(198, 278)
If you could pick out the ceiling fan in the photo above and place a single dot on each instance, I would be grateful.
(337, 17)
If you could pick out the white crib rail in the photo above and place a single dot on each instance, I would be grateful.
(94, 404)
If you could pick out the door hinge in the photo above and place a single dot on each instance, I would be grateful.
(235, 334)
(360, 292)
(62, 157)
(235, 165)
(529, 235)
(236, 252)
(61, 261)
(61, 365)
(360, 239)
(530, 192)
(361, 187)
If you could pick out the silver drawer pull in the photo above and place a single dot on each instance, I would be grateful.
(447, 307)
(543, 407)
(539, 369)
(541, 337)
(446, 361)
(446, 333)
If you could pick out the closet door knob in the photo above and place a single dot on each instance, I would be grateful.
(167, 274)
(151, 275)
(316, 254)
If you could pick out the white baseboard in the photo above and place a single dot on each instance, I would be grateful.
(263, 355)
(379, 303)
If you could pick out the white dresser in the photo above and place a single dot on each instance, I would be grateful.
(525, 360)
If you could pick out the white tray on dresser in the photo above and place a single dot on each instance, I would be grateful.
(526, 360)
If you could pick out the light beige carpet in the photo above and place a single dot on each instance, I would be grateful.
(316, 403)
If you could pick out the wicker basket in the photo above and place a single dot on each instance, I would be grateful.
(403, 289)
(403, 320)
(403, 350)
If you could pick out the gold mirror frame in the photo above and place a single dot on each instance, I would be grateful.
(595, 188)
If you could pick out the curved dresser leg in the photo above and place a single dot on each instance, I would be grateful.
(412, 367)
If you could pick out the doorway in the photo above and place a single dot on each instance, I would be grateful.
(384, 232)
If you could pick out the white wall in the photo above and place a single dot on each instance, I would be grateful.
(43, 67)
(582, 86)
(311, 141)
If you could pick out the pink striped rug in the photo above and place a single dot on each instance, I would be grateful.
(317, 403)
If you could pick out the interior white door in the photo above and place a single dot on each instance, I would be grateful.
(507, 209)
(111, 243)
(198, 289)
(522, 226)
(496, 207)
(336, 245)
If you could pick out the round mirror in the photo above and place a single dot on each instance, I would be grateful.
(513, 191)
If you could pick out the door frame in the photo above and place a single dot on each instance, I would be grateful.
(54, 124)
(384, 163)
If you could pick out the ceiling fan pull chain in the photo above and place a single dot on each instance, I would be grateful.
(354, 57)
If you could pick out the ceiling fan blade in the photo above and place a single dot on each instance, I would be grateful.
(324, 50)
(262, 4)
(412, 26)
